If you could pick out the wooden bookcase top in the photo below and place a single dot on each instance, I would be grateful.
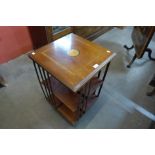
(72, 71)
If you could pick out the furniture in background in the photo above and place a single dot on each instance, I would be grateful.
(38, 36)
(141, 37)
(42, 35)
(91, 32)
(71, 73)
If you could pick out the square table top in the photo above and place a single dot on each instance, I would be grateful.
(72, 71)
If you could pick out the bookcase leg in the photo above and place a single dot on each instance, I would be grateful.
(103, 78)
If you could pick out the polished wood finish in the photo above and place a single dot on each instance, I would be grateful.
(73, 72)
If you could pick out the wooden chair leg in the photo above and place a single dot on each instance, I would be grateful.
(131, 62)
(133, 59)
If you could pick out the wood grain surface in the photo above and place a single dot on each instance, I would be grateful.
(73, 72)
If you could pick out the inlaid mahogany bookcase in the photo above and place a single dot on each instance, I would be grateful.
(71, 72)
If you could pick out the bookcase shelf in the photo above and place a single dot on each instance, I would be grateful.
(69, 115)
(69, 101)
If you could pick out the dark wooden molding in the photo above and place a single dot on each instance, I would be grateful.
(98, 33)
(42, 35)
(38, 36)
(91, 32)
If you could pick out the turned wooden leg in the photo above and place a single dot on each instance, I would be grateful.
(131, 62)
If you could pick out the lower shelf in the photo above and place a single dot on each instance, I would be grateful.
(69, 103)
(69, 115)
(67, 97)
